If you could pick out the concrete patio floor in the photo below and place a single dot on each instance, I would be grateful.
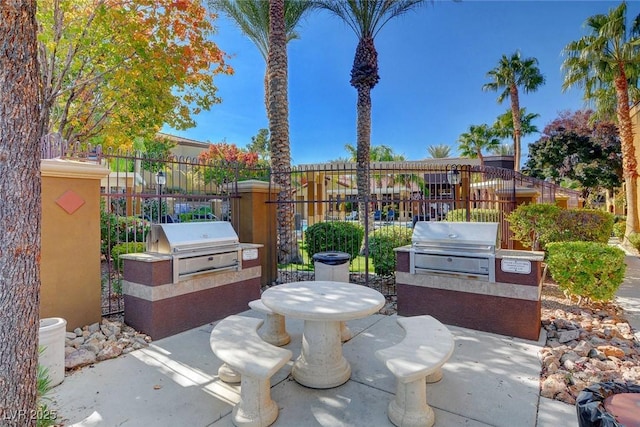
(491, 380)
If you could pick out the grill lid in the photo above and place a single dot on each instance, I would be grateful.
(191, 236)
(457, 235)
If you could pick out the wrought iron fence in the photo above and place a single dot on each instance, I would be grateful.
(330, 213)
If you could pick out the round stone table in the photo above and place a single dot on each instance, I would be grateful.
(322, 305)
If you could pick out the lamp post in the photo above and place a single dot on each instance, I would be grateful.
(453, 178)
(160, 181)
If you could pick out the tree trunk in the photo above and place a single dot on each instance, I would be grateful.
(517, 126)
(364, 77)
(19, 212)
(278, 112)
(629, 163)
(362, 154)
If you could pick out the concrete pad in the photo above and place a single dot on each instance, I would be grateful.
(552, 413)
(627, 294)
(489, 380)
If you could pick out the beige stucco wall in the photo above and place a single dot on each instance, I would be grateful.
(70, 258)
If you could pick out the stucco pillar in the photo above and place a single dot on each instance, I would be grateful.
(70, 233)
(254, 220)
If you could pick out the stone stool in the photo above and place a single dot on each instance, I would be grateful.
(274, 330)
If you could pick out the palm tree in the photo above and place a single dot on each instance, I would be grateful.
(252, 17)
(503, 150)
(441, 151)
(510, 74)
(477, 139)
(366, 18)
(278, 113)
(378, 153)
(603, 61)
(504, 124)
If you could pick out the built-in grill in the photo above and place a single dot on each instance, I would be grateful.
(466, 248)
(197, 247)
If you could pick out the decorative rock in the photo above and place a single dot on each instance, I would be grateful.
(78, 332)
(92, 345)
(585, 346)
(566, 336)
(553, 385)
(78, 358)
(582, 348)
(610, 350)
(76, 342)
(109, 352)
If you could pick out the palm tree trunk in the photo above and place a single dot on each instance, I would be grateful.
(362, 154)
(517, 126)
(278, 112)
(629, 162)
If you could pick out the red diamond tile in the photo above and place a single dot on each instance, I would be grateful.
(70, 201)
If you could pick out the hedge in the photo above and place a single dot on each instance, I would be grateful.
(536, 225)
(586, 269)
(339, 236)
(381, 245)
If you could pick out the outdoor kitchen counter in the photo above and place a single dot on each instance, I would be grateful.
(322, 305)
(510, 305)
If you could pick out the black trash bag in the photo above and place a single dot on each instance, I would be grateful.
(590, 403)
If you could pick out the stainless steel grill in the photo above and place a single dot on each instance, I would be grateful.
(197, 247)
(466, 248)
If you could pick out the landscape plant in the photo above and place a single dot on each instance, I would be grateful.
(45, 417)
(382, 243)
(618, 230)
(341, 236)
(511, 73)
(634, 239)
(588, 270)
(603, 62)
(475, 215)
(532, 223)
(125, 248)
(537, 224)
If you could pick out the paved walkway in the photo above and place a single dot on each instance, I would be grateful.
(491, 380)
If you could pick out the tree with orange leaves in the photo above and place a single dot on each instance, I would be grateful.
(115, 70)
(224, 163)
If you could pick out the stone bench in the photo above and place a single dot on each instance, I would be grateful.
(274, 330)
(236, 342)
(414, 361)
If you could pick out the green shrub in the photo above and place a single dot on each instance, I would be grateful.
(618, 229)
(586, 269)
(108, 228)
(532, 223)
(475, 215)
(125, 248)
(536, 225)
(581, 225)
(381, 245)
(339, 236)
(45, 417)
(132, 229)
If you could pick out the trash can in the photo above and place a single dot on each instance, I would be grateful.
(51, 335)
(332, 266)
(608, 404)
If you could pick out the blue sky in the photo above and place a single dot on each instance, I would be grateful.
(433, 62)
